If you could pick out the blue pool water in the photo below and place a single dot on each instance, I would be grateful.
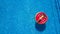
(18, 16)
